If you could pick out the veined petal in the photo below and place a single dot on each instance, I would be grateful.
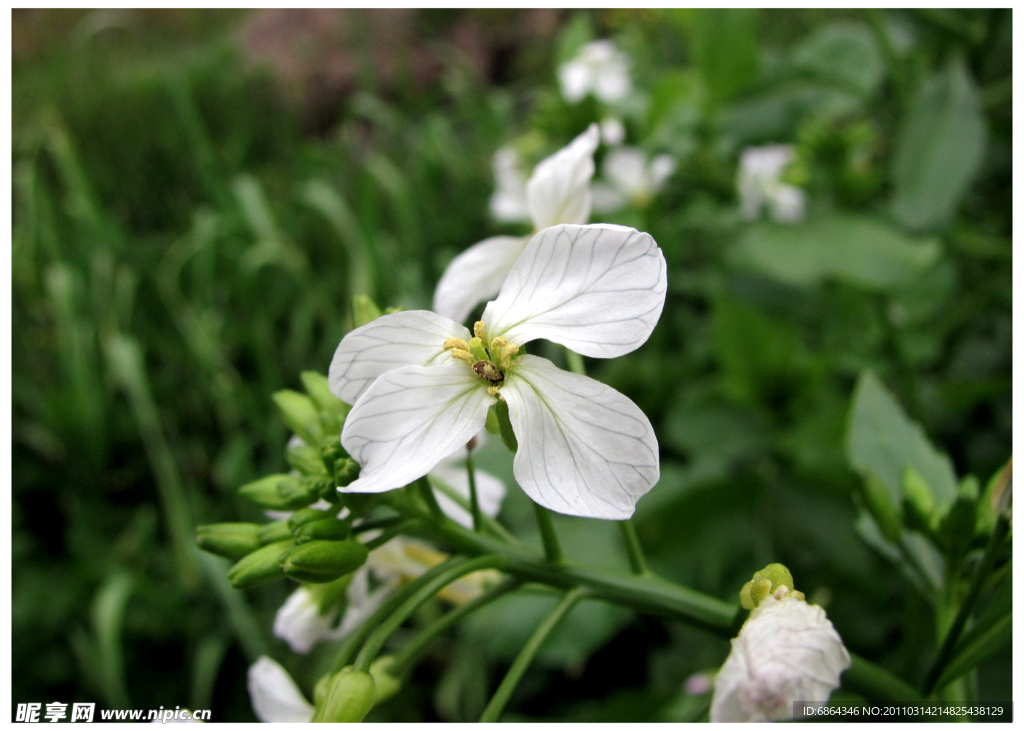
(361, 601)
(490, 491)
(392, 341)
(598, 290)
(559, 189)
(476, 275)
(274, 695)
(409, 420)
(584, 448)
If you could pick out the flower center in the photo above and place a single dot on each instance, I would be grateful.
(490, 362)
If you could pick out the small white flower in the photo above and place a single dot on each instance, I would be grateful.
(275, 697)
(786, 651)
(557, 192)
(598, 68)
(759, 184)
(631, 178)
(613, 132)
(421, 385)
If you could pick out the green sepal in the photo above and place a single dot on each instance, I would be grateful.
(259, 567)
(300, 414)
(508, 436)
(318, 562)
(306, 460)
(879, 504)
(231, 540)
(364, 310)
(491, 425)
(274, 532)
(346, 698)
(385, 684)
(319, 389)
(331, 529)
(331, 594)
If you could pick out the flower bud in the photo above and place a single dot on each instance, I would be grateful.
(318, 562)
(307, 515)
(331, 529)
(319, 389)
(786, 651)
(364, 311)
(385, 684)
(346, 470)
(282, 492)
(347, 697)
(274, 532)
(259, 567)
(765, 582)
(300, 414)
(306, 460)
(881, 507)
(232, 540)
(918, 501)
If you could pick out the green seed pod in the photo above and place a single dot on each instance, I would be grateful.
(259, 567)
(331, 529)
(318, 562)
(300, 414)
(348, 697)
(385, 684)
(232, 540)
(319, 389)
(274, 532)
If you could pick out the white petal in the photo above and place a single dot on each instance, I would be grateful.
(409, 420)
(662, 168)
(787, 203)
(361, 601)
(613, 132)
(626, 169)
(786, 651)
(476, 275)
(508, 203)
(274, 695)
(559, 189)
(300, 623)
(490, 491)
(584, 448)
(612, 83)
(598, 290)
(575, 80)
(606, 199)
(392, 341)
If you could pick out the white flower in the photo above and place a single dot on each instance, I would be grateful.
(598, 68)
(786, 651)
(557, 192)
(613, 132)
(759, 184)
(631, 178)
(275, 697)
(421, 385)
(302, 621)
(508, 203)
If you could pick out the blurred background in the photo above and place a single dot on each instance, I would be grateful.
(199, 194)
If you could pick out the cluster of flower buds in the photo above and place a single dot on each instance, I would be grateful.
(312, 542)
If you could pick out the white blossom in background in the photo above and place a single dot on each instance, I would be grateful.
(630, 178)
(557, 192)
(274, 695)
(786, 651)
(508, 202)
(421, 385)
(613, 132)
(760, 185)
(302, 622)
(598, 68)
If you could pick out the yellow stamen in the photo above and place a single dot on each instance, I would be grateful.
(507, 354)
(465, 355)
(453, 343)
(493, 390)
(499, 342)
(478, 329)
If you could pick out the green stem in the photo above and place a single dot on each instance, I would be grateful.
(427, 492)
(491, 524)
(547, 533)
(526, 655)
(404, 659)
(393, 532)
(633, 549)
(413, 602)
(474, 502)
(1002, 527)
(369, 524)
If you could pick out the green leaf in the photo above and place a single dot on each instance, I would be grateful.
(939, 149)
(725, 45)
(978, 647)
(854, 249)
(842, 54)
(882, 441)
